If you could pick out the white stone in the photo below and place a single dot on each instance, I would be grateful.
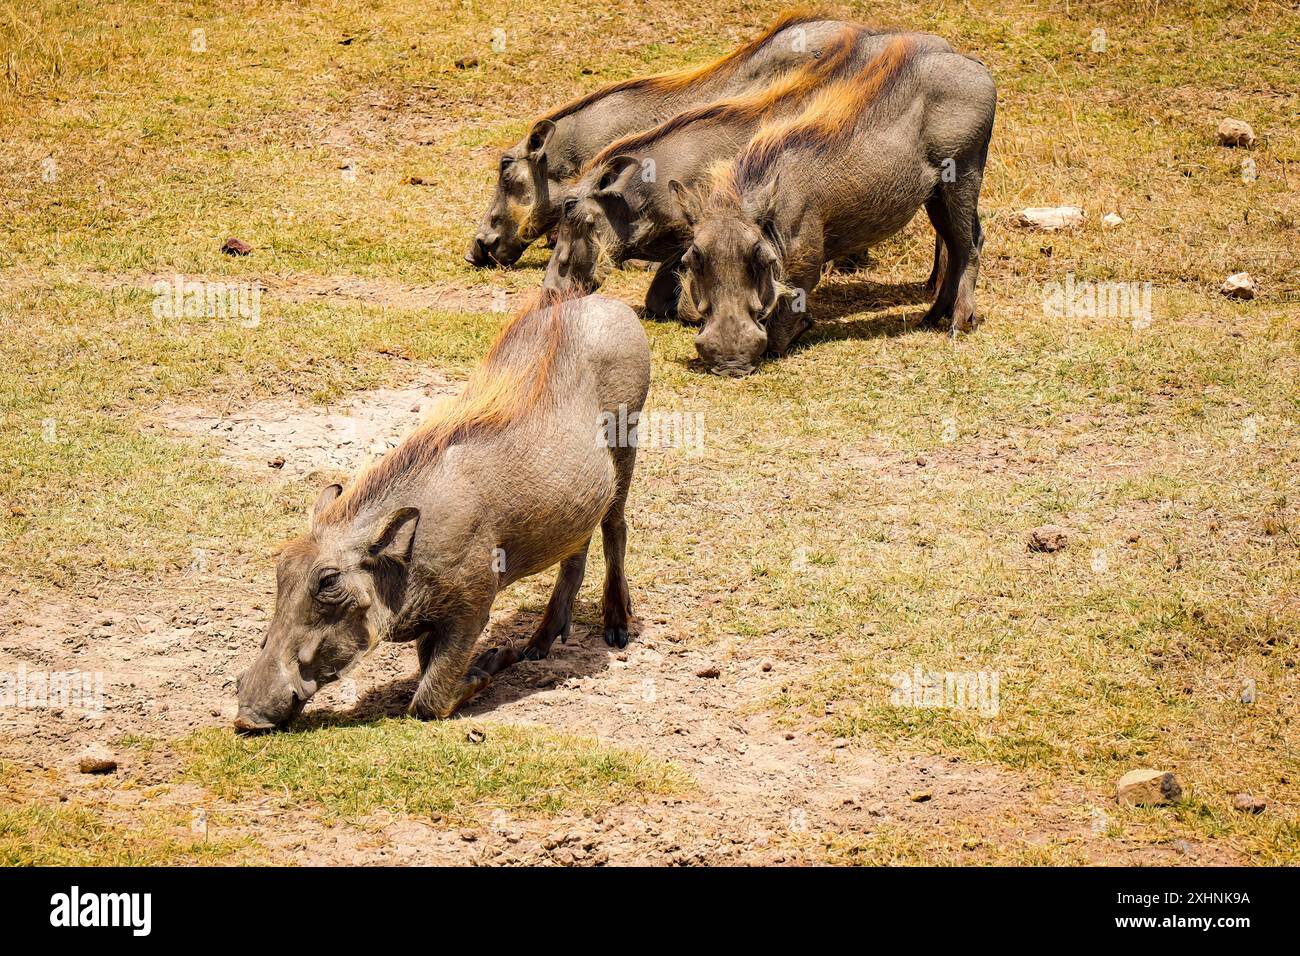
(1239, 285)
(1050, 218)
(1111, 220)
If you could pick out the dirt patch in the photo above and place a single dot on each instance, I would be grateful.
(342, 289)
(765, 793)
(294, 439)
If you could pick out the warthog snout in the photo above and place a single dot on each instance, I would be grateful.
(480, 253)
(734, 355)
(268, 697)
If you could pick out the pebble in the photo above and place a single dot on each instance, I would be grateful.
(1148, 788)
(1249, 804)
(1239, 285)
(97, 759)
(1235, 132)
(1048, 538)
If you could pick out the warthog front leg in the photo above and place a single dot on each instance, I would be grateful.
(665, 289)
(448, 678)
(788, 324)
(558, 619)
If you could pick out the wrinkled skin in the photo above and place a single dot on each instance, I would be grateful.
(595, 228)
(423, 559)
(732, 280)
(754, 259)
(523, 205)
(335, 593)
(532, 174)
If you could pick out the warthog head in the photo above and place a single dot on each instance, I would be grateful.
(731, 279)
(596, 223)
(338, 588)
(522, 206)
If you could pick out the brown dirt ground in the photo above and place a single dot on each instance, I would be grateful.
(767, 792)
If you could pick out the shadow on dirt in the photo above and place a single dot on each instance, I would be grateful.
(585, 655)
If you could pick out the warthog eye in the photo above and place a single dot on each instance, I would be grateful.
(329, 586)
(505, 163)
(570, 205)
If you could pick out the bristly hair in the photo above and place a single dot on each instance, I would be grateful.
(509, 383)
(835, 60)
(833, 115)
(680, 79)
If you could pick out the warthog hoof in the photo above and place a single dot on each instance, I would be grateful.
(616, 637)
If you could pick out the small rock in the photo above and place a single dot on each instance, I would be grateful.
(1134, 537)
(1050, 218)
(1235, 132)
(418, 181)
(1048, 538)
(276, 462)
(476, 736)
(921, 796)
(96, 759)
(236, 247)
(1248, 804)
(1111, 220)
(1147, 788)
(766, 666)
(708, 673)
(1239, 285)
(467, 62)
(469, 836)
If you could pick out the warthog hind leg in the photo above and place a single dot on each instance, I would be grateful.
(936, 272)
(954, 210)
(558, 619)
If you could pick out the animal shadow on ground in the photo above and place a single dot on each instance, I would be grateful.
(856, 295)
(585, 654)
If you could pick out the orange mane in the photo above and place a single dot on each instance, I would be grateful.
(790, 86)
(506, 385)
(832, 115)
(680, 79)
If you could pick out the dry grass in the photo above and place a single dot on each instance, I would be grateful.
(864, 504)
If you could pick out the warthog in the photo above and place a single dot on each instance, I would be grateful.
(621, 207)
(851, 170)
(510, 479)
(530, 174)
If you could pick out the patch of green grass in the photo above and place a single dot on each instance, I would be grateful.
(419, 769)
(35, 832)
(68, 835)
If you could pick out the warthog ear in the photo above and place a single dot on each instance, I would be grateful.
(538, 137)
(396, 533)
(761, 204)
(327, 496)
(685, 202)
(616, 176)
